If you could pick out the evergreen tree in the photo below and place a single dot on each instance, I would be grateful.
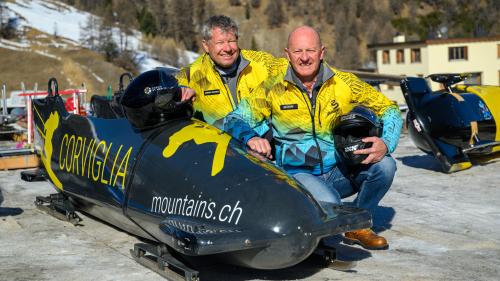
(147, 22)
(107, 45)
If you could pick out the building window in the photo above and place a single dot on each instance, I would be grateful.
(385, 57)
(400, 56)
(474, 79)
(457, 53)
(415, 55)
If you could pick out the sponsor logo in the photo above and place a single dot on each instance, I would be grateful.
(89, 158)
(485, 111)
(83, 157)
(351, 148)
(46, 134)
(155, 89)
(200, 133)
(197, 208)
(348, 117)
(211, 92)
(289, 106)
(200, 229)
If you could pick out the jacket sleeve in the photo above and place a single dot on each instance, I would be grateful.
(391, 118)
(250, 118)
(183, 77)
(274, 65)
(364, 94)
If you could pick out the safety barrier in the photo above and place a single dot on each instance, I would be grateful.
(79, 95)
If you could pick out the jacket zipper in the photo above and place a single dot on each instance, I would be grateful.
(228, 93)
(311, 113)
(235, 103)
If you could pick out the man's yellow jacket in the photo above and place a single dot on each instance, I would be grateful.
(213, 98)
(302, 125)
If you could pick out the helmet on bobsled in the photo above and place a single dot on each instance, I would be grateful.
(351, 129)
(153, 97)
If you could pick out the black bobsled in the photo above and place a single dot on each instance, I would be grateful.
(161, 175)
(454, 124)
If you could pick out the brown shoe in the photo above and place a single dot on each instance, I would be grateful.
(367, 239)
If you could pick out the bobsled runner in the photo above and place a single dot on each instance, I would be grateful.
(157, 173)
(455, 124)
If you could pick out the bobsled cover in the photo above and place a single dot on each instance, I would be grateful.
(153, 98)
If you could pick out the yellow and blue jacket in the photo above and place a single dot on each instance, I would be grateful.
(213, 97)
(302, 125)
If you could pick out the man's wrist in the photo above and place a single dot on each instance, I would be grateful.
(248, 137)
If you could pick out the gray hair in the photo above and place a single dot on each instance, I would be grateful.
(225, 23)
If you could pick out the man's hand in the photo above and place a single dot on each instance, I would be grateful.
(375, 153)
(187, 94)
(260, 145)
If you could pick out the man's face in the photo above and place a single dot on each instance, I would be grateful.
(222, 47)
(305, 54)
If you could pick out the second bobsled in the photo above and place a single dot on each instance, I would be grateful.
(454, 124)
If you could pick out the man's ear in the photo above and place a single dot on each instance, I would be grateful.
(323, 49)
(287, 54)
(204, 43)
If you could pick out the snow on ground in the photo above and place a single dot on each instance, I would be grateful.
(59, 19)
(10, 47)
(24, 47)
(97, 77)
(14, 44)
(47, 55)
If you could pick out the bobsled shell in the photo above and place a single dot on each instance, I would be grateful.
(185, 184)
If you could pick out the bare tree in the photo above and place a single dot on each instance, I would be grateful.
(275, 14)
(89, 33)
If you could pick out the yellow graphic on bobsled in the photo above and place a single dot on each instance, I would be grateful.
(50, 126)
(200, 134)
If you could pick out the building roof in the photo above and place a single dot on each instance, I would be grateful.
(435, 42)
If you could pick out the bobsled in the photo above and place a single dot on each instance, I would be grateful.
(457, 124)
(152, 170)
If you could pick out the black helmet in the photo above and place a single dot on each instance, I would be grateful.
(152, 98)
(351, 128)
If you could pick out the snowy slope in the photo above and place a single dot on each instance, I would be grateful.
(57, 18)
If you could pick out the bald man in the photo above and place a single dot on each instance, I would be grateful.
(302, 105)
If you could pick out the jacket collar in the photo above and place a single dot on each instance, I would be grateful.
(243, 62)
(325, 73)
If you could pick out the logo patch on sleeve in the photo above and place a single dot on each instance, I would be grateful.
(289, 106)
(211, 92)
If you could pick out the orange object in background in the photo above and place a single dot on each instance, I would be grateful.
(19, 162)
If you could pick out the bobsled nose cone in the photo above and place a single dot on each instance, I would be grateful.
(295, 246)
